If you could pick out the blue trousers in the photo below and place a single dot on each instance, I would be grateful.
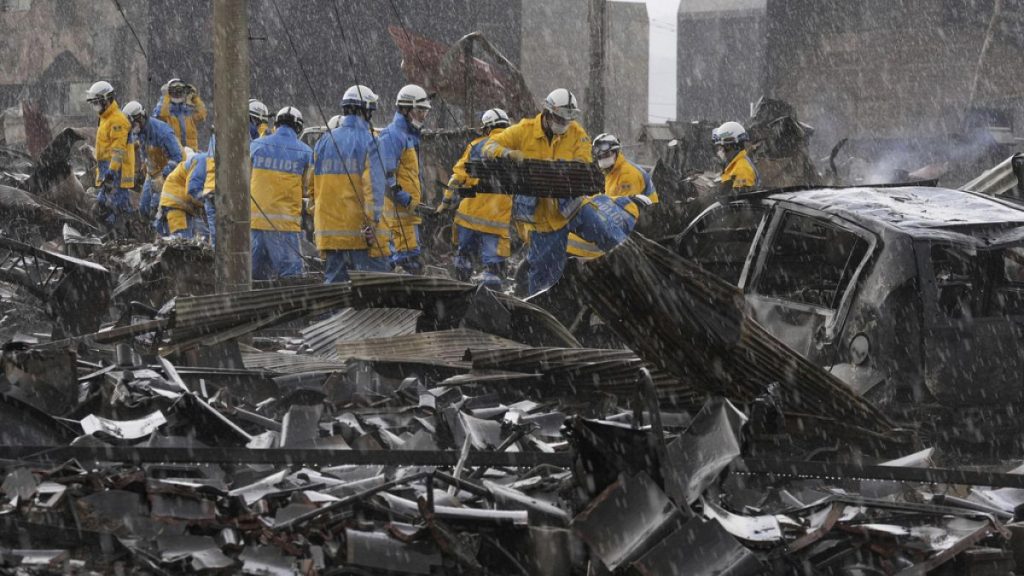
(148, 202)
(117, 202)
(275, 254)
(407, 259)
(602, 222)
(470, 242)
(339, 262)
(547, 258)
(211, 218)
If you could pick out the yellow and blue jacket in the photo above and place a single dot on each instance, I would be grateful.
(348, 189)
(280, 164)
(741, 172)
(183, 118)
(484, 212)
(159, 147)
(623, 180)
(114, 155)
(527, 136)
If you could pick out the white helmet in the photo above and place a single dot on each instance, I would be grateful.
(99, 91)
(289, 115)
(562, 103)
(495, 118)
(334, 122)
(258, 110)
(187, 153)
(605, 143)
(134, 110)
(413, 96)
(730, 133)
(359, 96)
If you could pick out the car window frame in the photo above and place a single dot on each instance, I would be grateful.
(833, 326)
(758, 233)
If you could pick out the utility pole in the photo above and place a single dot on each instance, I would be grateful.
(230, 99)
(595, 91)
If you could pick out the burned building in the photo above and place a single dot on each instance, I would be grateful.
(914, 82)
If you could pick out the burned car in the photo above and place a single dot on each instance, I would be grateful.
(914, 296)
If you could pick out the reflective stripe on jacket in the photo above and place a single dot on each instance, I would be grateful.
(113, 153)
(484, 212)
(527, 136)
(348, 188)
(183, 118)
(280, 163)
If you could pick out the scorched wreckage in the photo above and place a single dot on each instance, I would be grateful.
(477, 339)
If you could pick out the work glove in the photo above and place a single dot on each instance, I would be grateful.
(403, 198)
(641, 200)
(369, 235)
(442, 208)
(515, 156)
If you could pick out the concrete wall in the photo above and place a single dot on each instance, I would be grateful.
(899, 70)
(53, 50)
(556, 54)
(721, 58)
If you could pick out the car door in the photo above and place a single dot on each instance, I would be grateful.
(974, 338)
(805, 277)
(720, 240)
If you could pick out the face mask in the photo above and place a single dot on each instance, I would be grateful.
(721, 154)
(417, 124)
(98, 107)
(177, 100)
(136, 129)
(606, 162)
(559, 129)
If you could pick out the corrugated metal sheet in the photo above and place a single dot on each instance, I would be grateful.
(206, 320)
(448, 346)
(695, 329)
(284, 363)
(600, 370)
(352, 324)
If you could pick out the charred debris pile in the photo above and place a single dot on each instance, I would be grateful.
(420, 425)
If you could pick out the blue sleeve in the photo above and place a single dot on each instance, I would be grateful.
(198, 178)
(157, 108)
(385, 144)
(254, 146)
(170, 145)
(377, 180)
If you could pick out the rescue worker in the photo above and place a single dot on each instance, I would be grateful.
(481, 223)
(399, 143)
(115, 157)
(280, 165)
(730, 142)
(178, 208)
(348, 192)
(608, 218)
(182, 109)
(159, 150)
(259, 119)
(553, 134)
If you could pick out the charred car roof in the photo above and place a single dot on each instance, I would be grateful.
(907, 208)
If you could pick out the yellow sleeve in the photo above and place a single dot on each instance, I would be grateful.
(510, 139)
(200, 109)
(459, 175)
(119, 145)
(210, 185)
(409, 174)
(368, 200)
